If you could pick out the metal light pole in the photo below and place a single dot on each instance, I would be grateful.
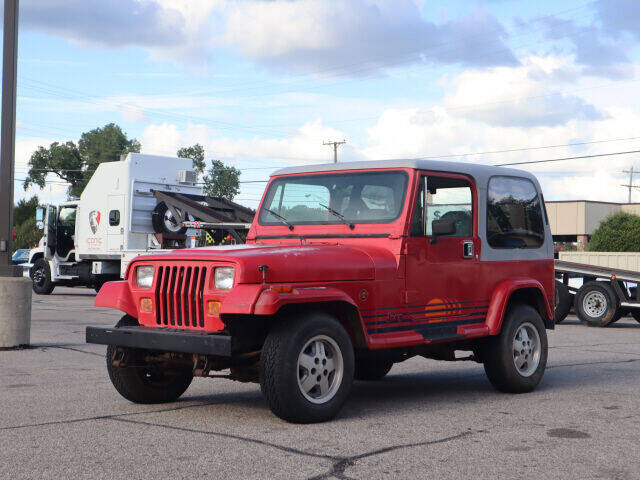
(8, 135)
(15, 293)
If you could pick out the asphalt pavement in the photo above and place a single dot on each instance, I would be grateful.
(60, 417)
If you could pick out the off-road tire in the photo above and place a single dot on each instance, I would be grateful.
(41, 285)
(497, 354)
(562, 299)
(157, 220)
(371, 368)
(609, 309)
(279, 367)
(135, 384)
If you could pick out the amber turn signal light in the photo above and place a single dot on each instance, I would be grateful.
(213, 307)
(146, 305)
(282, 288)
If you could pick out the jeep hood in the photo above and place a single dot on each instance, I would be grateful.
(292, 263)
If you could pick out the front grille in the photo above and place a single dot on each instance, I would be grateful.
(179, 296)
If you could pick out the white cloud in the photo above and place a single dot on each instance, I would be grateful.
(299, 35)
(359, 36)
(526, 96)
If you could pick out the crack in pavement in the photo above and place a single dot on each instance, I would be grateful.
(338, 468)
(340, 463)
(44, 347)
(103, 417)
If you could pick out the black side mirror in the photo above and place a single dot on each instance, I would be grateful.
(440, 228)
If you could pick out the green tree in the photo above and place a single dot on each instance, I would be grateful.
(76, 163)
(27, 234)
(62, 159)
(196, 154)
(221, 181)
(619, 232)
(25, 210)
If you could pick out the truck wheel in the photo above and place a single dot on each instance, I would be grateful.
(371, 368)
(163, 221)
(141, 384)
(596, 304)
(41, 277)
(514, 360)
(306, 368)
(562, 299)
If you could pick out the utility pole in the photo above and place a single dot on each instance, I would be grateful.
(8, 134)
(335, 148)
(630, 185)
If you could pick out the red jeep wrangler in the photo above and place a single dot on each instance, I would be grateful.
(347, 270)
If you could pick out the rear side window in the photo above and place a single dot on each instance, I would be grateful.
(514, 214)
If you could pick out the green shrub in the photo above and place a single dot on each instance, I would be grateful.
(619, 232)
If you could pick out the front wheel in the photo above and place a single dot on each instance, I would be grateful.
(41, 277)
(515, 360)
(142, 383)
(306, 368)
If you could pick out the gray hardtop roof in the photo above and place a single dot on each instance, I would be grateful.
(475, 170)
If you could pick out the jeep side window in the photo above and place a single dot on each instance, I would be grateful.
(446, 199)
(514, 214)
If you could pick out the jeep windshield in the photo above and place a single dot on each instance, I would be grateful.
(337, 198)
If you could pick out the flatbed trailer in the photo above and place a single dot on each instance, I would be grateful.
(606, 294)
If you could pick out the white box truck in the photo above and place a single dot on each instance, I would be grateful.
(89, 241)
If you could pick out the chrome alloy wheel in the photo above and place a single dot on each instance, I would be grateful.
(170, 222)
(526, 349)
(320, 369)
(594, 304)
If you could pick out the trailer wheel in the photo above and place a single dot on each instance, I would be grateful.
(164, 222)
(562, 299)
(306, 368)
(596, 304)
(141, 384)
(41, 277)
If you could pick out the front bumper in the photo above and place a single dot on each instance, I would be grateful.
(163, 339)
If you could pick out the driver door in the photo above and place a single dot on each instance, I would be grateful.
(442, 279)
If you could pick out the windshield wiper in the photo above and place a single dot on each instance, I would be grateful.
(339, 215)
(281, 218)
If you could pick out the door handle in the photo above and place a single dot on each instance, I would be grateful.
(467, 249)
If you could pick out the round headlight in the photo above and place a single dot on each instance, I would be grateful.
(223, 278)
(144, 276)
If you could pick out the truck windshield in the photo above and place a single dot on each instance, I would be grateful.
(369, 197)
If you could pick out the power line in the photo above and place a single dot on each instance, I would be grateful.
(565, 158)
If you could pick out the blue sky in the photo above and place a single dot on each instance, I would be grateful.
(261, 84)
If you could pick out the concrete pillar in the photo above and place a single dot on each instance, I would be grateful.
(15, 311)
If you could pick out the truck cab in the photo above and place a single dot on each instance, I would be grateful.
(347, 270)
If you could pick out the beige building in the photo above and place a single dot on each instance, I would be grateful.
(575, 220)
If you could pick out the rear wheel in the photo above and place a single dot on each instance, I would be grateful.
(562, 299)
(596, 304)
(145, 383)
(41, 277)
(515, 360)
(306, 368)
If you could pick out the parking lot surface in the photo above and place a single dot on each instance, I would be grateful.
(61, 417)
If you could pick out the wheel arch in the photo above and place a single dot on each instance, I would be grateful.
(346, 313)
(518, 291)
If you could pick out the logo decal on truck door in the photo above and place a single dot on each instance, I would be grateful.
(94, 220)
